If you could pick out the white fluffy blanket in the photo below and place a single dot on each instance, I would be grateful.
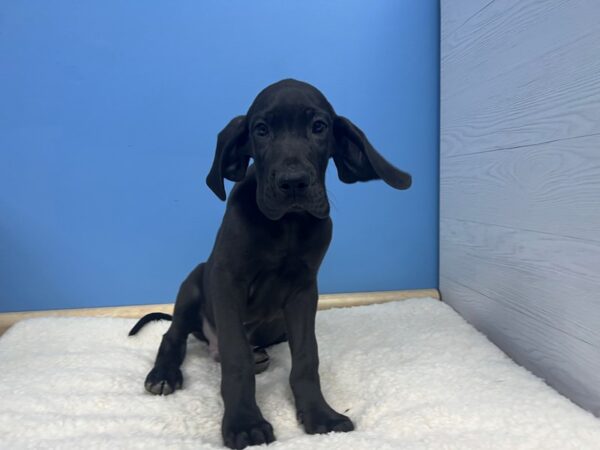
(411, 374)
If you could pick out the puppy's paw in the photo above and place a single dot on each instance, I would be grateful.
(324, 420)
(163, 380)
(240, 434)
(261, 360)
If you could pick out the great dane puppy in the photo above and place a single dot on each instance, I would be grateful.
(259, 284)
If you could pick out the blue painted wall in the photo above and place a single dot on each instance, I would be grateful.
(108, 119)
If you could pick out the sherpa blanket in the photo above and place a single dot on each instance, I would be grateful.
(411, 374)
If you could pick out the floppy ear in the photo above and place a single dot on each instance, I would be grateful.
(231, 157)
(357, 160)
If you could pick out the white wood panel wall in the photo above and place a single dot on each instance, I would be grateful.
(520, 182)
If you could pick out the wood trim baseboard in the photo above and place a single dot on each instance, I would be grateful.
(326, 301)
(345, 300)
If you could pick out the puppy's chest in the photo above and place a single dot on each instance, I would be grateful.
(289, 255)
(294, 240)
(286, 265)
(273, 284)
(285, 260)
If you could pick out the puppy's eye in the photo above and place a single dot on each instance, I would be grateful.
(260, 129)
(319, 127)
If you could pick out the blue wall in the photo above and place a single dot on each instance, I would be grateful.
(108, 119)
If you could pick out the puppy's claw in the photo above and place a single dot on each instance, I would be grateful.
(324, 421)
(344, 426)
(241, 440)
(163, 381)
(256, 434)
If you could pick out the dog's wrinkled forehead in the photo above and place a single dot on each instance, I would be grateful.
(289, 96)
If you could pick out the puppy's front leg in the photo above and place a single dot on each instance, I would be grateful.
(243, 423)
(312, 409)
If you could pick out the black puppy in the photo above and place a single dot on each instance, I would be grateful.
(259, 285)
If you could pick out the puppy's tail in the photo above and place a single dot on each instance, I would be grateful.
(149, 318)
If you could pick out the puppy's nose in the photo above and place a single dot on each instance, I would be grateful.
(293, 183)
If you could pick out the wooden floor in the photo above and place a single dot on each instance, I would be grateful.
(326, 301)
(520, 181)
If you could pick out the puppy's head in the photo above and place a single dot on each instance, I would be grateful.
(291, 131)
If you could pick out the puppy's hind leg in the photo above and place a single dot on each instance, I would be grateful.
(166, 375)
